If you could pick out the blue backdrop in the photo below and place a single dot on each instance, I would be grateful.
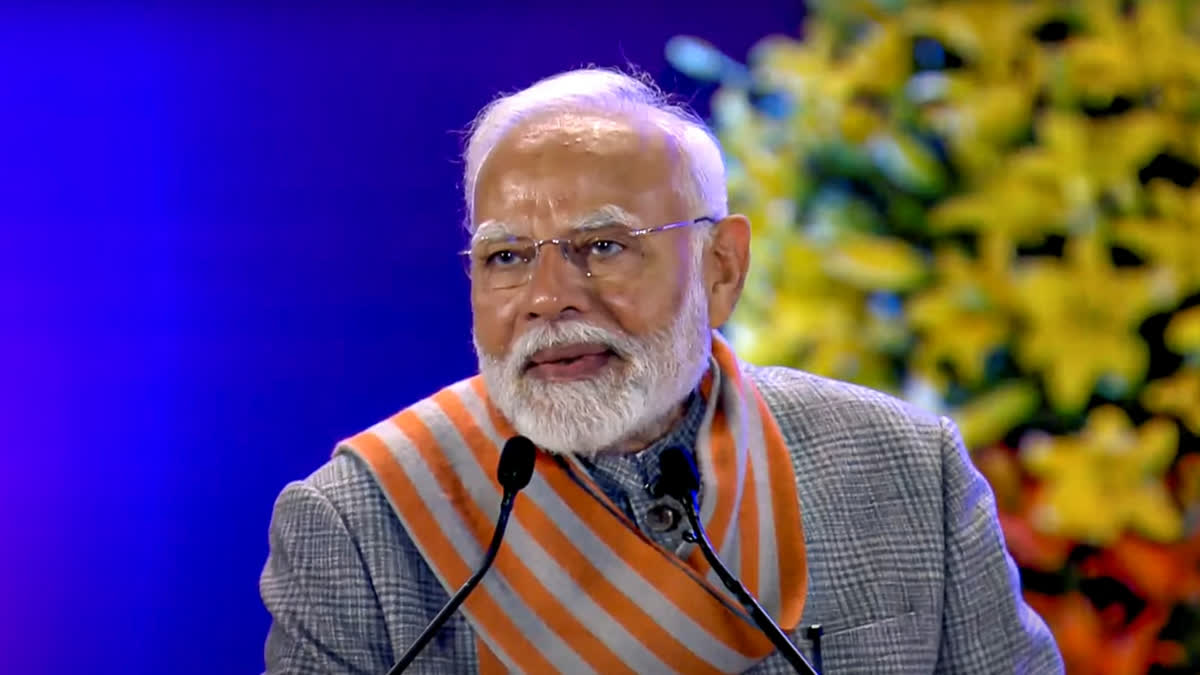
(227, 241)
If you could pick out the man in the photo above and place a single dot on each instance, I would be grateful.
(602, 258)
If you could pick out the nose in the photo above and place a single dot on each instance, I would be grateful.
(557, 288)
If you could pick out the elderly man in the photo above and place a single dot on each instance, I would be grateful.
(602, 257)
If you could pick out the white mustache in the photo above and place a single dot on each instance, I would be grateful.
(548, 336)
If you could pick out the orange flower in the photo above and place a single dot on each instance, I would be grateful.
(1092, 644)
(1187, 486)
(1031, 548)
(1161, 574)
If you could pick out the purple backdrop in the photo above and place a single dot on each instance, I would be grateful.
(226, 241)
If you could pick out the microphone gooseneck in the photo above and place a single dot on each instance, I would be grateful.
(680, 480)
(513, 472)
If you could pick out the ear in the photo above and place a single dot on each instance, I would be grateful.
(726, 261)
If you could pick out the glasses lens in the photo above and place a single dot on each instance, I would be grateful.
(503, 263)
(609, 252)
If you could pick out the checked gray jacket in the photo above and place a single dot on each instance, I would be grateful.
(907, 569)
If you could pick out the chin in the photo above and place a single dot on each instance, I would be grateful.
(583, 417)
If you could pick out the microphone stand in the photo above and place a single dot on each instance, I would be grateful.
(461, 594)
(683, 489)
(513, 472)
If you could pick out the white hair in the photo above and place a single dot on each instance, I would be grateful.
(701, 176)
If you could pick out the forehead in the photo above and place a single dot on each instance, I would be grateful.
(603, 218)
(565, 165)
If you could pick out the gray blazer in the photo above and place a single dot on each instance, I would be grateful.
(907, 569)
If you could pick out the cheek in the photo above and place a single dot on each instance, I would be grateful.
(664, 293)
(653, 303)
(492, 325)
(647, 311)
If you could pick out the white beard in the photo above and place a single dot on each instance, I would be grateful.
(585, 417)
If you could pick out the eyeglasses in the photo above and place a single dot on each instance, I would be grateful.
(602, 253)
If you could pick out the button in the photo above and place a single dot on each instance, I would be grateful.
(662, 518)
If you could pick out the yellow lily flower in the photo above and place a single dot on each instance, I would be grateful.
(991, 35)
(1057, 184)
(820, 326)
(1034, 205)
(1106, 479)
(1172, 244)
(1178, 396)
(1082, 316)
(1167, 55)
(979, 119)
(832, 353)
(875, 263)
(1095, 68)
(986, 418)
(880, 61)
(1183, 331)
(964, 316)
(1172, 239)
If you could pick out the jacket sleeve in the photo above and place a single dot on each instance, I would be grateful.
(325, 615)
(986, 625)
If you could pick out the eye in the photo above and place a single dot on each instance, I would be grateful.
(503, 258)
(603, 248)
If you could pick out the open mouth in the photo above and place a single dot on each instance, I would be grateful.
(569, 362)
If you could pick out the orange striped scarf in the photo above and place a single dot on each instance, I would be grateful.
(576, 588)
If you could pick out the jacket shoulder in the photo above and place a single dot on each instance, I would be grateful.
(350, 487)
(811, 407)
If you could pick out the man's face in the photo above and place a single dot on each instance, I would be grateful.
(579, 364)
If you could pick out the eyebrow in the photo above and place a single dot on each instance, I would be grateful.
(609, 214)
(605, 216)
(492, 230)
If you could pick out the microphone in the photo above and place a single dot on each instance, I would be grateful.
(513, 472)
(680, 480)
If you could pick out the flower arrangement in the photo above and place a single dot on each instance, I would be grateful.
(992, 209)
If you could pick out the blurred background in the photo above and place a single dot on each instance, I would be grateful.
(990, 209)
(227, 240)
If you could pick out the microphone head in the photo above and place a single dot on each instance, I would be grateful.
(516, 464)
(678, 477)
